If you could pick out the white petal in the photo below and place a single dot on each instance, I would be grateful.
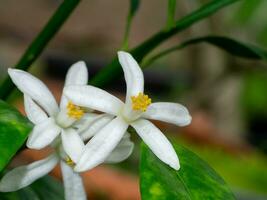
(94, 98)
(34, 88)
(72, 144)
(102, 144)
(133, 74)
(73, 184)
(25, 175)
(86, 120)
(43, 134)
(157, 142)
(33, 111)
(76, 75)
(123, 150)
(168, 112)
(95, 126)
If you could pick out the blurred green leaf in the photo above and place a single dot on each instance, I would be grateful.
(14, 129)
(247, 9)
(134, 5)
(254, 95)
(43, 189)
(195, 180)
(232, 46)
(104, 76)
(171, 14)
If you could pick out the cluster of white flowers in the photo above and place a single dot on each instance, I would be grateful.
(82, 138)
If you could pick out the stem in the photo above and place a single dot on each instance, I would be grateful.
(146, 62)
(40, 42)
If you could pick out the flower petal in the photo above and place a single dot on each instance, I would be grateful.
(86, 120)
(157, 142)
(168, 112)
(25, 175)
(73, 184)
(123, 150)
(33, 111)
(102, 144)
(94, 98)
(133, 74)
(76, 75)
(43, 134)
(34, 88)
(72, 144)
(95, 126)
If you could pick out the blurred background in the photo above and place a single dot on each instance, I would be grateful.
(226, 96)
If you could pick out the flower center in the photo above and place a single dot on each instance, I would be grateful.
(69, 161)
(140, 102)
(74, 111)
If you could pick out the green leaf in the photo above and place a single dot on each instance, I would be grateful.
(134, 5)
(40, 42)
(43, 189)
(194, 181)
(104, 76)
(171, 14)
(234, 47)
(14, 129)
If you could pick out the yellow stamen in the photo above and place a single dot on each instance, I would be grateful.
(74, 111)
(69, 162)
(140, 102)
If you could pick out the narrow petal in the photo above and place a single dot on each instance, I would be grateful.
(33, 111)
(25, 175)
(123, 150)
(72, 144)
(87, 119)
(73, 184)
(102, 144)
(43, 134)
(34, 88)
(95, 126)
(94, 98)
(76, 75)
(133, 74)
(168, 112)
(157, 142)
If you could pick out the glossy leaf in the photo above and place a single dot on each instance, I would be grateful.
(194, 181)
(234, 47)
(14, 129)
(43, 189)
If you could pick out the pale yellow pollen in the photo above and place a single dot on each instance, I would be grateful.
(140, 102)
(74, 111)
(69, 162)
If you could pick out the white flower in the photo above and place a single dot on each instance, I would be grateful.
(134, 112)
(25, 175)
(50, 120)
(68, 119)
